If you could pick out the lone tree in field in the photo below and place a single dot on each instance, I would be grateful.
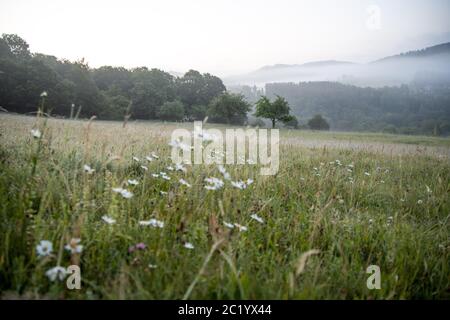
(318, 123)
(277, 110)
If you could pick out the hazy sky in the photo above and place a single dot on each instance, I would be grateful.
(224, 36)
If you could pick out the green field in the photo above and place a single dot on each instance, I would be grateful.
(354, 199)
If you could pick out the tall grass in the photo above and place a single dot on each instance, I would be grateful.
(391, 209)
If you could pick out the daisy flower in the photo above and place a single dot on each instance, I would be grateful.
(44, 248)
(170, 168)
(152, 222)
(182, 181)
(257, 218)
(180, 167)
(238, 184)
(228, 225)
(188, 245)
(180, 145)
(214, 183)
(108, 219)
(74, 246)
(88, 169)
(57, 272)
(36, 133)
(133, 182)
(240, 227)
(124, 192)
(224, 172)
(241, 184)
(164, 176)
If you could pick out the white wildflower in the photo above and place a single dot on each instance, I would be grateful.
(238, 184)
(144, 168)
(88, 169)
(180, 167)
(149, 158)
(43, 94)
(108, 220)
(240, 227)
(224, 172)
(44, 248)
(257, 218)
(214, 183)
(124, 192)
(56, 273)
(133, 182)
(182, 181)
(152, 222)
(188, 245)
(136, 159)
(164, 176)
(419, 201)
(154, 156)
(74, 246)
(367, 174)
(36, 133)
(241, 184)
(180, 145)
(228, 225)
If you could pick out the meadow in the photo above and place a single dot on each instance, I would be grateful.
(107, 197)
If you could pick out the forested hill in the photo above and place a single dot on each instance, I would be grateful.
(106, 92)
(404, 109)
(432, 63)
(430, 52)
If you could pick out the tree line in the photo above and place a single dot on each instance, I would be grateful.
(73, 88)
(414, 109)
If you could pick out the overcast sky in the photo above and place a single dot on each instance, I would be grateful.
(224, 36)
